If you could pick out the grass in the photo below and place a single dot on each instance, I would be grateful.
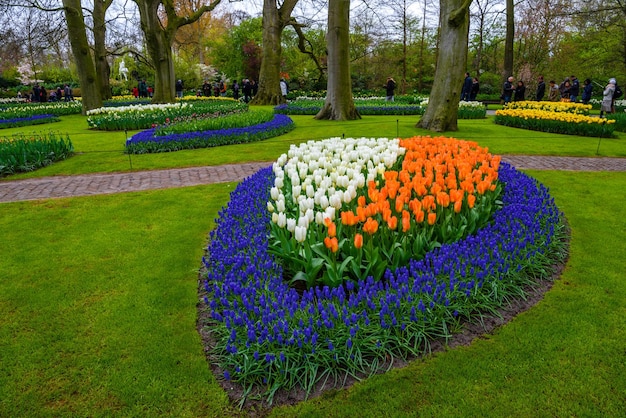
(98, 295)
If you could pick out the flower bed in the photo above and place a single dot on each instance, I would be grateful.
(147, 142)
(555, 122)
(271, 336)
(22, 153)
(27, 121)
(567, 107)
(25, 110)
(146, 116)
(371, 106)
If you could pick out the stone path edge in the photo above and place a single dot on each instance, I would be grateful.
(96, 184)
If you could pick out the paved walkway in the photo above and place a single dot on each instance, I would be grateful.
(92, 184)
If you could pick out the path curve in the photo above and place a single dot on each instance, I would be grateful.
(94, 184)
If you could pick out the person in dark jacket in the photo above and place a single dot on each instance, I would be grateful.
(466, 91)
(475, 89)
(390, 87)
(520, 92)
(507, 90)
(541, 88)
(587, 90)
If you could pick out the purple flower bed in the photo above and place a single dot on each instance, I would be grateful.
(26, 121)
(146, 141)
(270, 336)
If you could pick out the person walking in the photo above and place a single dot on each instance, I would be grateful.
(587, 90)
(475, 89)
(554, 94)
(507, 90)
(390, 86)
(541, 89)
(467, 88)
(607, 98)
(520, 92)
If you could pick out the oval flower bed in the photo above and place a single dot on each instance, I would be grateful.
(271, 336)
(147, 141)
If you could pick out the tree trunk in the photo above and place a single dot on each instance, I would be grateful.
(269, 77)
(443, 104)
(103, 70)
(508, 41)
(159, 46)
(274, 21)
(89, 85)
(339, 104)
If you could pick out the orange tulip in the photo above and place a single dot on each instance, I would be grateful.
(392, 222)
(370, 226)
(332, 230)
(358, 241)
(406, 221)
(432, 218)
(458, 205)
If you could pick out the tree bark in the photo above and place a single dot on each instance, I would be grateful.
(508, 41)
(443, 104)
(275, 20)
(103, 70)
(159, 38)
(339, 104)
(89, 84)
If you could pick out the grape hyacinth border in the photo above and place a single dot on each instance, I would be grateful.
(265, 337)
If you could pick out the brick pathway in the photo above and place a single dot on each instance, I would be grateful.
(92, 184)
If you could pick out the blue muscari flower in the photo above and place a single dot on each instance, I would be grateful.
(226, 375)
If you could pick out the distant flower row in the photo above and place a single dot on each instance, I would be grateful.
(561, 118)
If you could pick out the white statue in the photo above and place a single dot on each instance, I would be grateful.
(123, 70)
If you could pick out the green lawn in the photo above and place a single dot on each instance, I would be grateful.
(98, 297)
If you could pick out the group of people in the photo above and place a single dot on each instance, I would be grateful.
(248, 87)
(470, 89)
(142, 90)
(567, 91)
(40, 94)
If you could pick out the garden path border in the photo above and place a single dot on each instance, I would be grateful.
(95, 184)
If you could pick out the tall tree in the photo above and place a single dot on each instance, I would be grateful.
(159, 31)
(89, 82)
(275, 18)
(443, 104)
(103, 70)
(339, 104)
(508, 40)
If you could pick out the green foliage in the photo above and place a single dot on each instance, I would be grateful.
(620, 120)
(28, 153)
(227, 53)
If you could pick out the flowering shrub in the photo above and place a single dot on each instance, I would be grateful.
(421, 192)
(27, 121)
(146, 116)
(555, 122)
(270, 336)
(28, 153)
(147, 142)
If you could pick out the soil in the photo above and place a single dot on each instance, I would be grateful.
(256, 406)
